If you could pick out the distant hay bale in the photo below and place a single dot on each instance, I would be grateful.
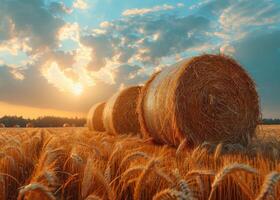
(29, 125)
(66, 125)
(95, 117)
(2, 125)
(205, 98)
(120, 116)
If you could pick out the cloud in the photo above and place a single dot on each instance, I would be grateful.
(142, 11)
(244, 14)
(32, 21)
(59, 8)
(69, 31)
(15, 45)
(80, 4)
(102, 49)
(147, 39)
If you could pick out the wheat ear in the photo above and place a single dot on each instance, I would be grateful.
(142, 177)
(227, 170)
(269, 185)
(93, 197)
(134, 155)
(182, 183)
(169, 194)
(218, 151)
(180, 148)
(34, 187)
(87, 177)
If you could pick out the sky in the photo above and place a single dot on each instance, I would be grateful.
(61, 57)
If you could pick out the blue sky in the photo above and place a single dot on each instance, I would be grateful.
(68, 55)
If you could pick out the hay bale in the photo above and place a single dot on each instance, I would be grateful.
(65, 125)
(95, 117)
(2, 125)
(120, 116)
(205, 98)
(29, 125)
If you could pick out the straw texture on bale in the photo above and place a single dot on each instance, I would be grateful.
(120, 116)
(205, 98)
(95, 117)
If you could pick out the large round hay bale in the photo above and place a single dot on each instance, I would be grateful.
(2, 125)
(95, 117)
(205, 98)
(120, 116)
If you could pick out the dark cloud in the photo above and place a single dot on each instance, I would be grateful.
(6, 28)
(102, 46)
(59, 8)
(32, 19)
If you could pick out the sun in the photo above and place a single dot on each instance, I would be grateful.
(77, 89)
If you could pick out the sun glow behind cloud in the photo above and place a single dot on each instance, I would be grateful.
(58, 78)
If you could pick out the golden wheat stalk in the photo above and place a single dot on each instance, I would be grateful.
(93, 197)
(98, 175)
(268, 186)
(200, 173)
(181, 147)
(35, 187)
(170, 194)
(132, 156)
(87, 177)
(131, 171)
(142, 178)
(163, 175)
(182, 183)
(227, 170)
(247, 191)
(218, 151)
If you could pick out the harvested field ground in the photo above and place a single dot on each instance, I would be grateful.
(270, 130)
(73, 163)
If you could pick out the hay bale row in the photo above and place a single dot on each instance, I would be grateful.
(205, 98)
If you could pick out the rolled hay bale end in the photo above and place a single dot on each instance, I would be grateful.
(2, 125)
(205, 98)
(29, 125)
(66, 125)
(120, 115)
(95, 117)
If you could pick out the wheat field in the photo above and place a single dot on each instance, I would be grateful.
(74, 163)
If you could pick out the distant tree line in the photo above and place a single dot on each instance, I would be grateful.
(47, 121)
(271, 121)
